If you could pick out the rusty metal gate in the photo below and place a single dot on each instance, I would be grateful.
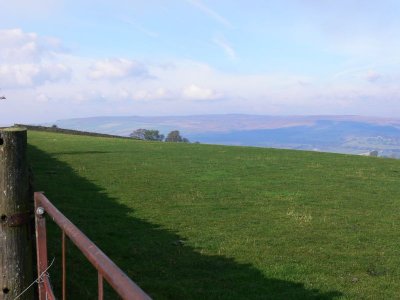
(106, 269)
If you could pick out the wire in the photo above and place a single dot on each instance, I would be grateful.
(38, 280)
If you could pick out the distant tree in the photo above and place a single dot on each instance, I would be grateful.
(175, 137)
(54, 126)
(374, 153)
(153, 135)
(3, 97)
(147, 134)
(138, 134)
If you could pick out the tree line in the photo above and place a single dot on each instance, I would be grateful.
(154, 135)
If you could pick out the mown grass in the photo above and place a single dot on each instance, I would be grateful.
(188, 221)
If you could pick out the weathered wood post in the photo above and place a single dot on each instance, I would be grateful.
(16, 244)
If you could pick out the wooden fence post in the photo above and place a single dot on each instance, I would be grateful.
(16, 206)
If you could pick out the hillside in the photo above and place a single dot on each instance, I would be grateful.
(342, 134)
(189, 221)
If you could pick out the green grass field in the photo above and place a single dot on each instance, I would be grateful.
(189, 221)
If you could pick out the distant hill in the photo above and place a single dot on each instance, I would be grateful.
(343, 134)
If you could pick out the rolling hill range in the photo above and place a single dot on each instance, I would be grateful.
(193, 221)
(342, 134)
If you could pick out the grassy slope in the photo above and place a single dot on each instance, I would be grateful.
(256, 223)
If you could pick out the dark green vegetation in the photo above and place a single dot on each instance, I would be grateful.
(189, 221)
(147, 134)
(154, 135)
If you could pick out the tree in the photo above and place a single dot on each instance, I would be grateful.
(147, 134)
(374, 153)
(138, 134)
(153, 135)
(3, 97)
(175, 137)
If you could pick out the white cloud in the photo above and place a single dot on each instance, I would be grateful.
(28, 60)
(22, 47)
(31, 9)
(140, 27)
(117, 68)
(224, 45)
(210, 12)
(141, 93)
(373, 76)
(195, 92)
(35, 87)
(42, 98)
(30, 75)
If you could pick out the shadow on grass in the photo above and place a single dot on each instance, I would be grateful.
(152, 256)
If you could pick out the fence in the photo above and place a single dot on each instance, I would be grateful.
(106, 269)
(17, 237)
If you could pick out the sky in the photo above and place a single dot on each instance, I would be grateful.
(64, 59)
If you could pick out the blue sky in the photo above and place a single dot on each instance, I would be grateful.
(64, 59)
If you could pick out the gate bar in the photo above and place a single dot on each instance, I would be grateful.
(121, 283)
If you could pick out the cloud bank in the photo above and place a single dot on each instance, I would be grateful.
(43, 82)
